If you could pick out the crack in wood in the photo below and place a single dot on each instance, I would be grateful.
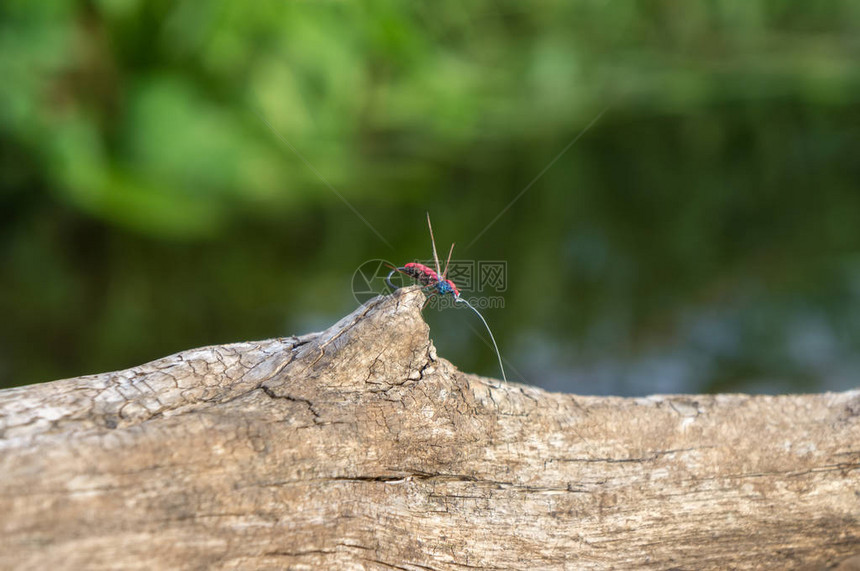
(403, 462)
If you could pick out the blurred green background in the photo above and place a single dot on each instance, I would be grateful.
(171, 171)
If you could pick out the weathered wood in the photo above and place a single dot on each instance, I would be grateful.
(359, 448)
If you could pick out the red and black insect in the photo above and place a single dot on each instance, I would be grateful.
(426, 276)
(439, 281)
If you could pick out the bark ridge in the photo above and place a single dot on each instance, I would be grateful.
(359, 448)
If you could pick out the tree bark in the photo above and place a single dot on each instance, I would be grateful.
(359, 448)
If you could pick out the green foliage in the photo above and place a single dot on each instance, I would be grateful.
(168, 175)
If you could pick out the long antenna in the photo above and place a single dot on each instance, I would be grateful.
(498, 354)
(433, 241)
(448, 261)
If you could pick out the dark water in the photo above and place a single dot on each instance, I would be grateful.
(661, 198)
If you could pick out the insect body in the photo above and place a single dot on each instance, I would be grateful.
(439, 281)
(426, 276)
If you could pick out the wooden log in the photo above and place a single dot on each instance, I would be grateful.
(359, 448)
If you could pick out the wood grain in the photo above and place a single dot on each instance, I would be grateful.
(359, 448)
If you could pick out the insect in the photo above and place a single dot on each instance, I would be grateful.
(439, 281)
